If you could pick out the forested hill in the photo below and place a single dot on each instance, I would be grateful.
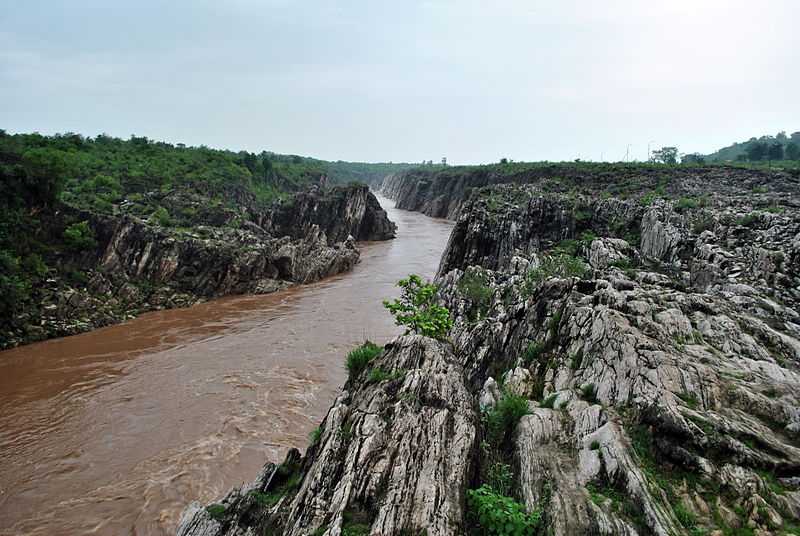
(100, 173)
(778, 147)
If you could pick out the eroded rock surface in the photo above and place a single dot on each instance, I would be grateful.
(656, 341)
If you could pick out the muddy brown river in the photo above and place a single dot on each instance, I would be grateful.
(115, 431)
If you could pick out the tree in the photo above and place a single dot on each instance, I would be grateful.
(665, 155)
(417, 308)
(756, 151)
(792, 151)
(693, 158)
(45, 173)
(775, 151)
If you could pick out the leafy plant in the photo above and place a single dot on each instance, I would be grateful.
(359, 358)
(79, 236)
(556, 264)
(474, 286)
(504, 416)
(532, 353)
(499, 515)
(216, 511)
(417, 309)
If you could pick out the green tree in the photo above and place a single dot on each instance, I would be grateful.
(756, 151)
(45, 172)
(79, 236)
(775, 151)
(792, 151)
(665, 155)
(417, 308)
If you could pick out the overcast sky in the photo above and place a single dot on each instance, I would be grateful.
(406, 81)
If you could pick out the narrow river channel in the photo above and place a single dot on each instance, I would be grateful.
(113, 432)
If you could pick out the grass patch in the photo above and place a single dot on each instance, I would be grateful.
(378, 375)
(532, 353)
(216, 511)
(360, 358)
(589, 393)
(549, 401)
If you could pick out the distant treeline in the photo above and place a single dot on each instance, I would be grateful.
(765, 148)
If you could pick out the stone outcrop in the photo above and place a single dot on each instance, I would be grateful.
(339, 212)
(656, 342)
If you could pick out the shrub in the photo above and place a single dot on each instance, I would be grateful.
(216, 511)
(315, 435)
(474, 286)
(686, 203)
(79, 236)
(500, 515)
(589, 393)
(360, 358)
(378, 375)
(549, 401)
(504, 416)
(161, 217)
(595, 445)
(417, 309)
(500, 477)
(533, 352)
(556, 264)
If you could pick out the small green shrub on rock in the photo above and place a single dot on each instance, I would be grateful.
(417, 309)
(502, 419)
(475, 287)
(499, 515)
(557, 264)
(359, 359)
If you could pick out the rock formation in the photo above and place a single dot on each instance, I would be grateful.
(139, 266)
(655, 341)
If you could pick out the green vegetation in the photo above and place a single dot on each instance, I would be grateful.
(549, 401)
(378, 375)
(532, 353)
(359, 359)
(216, 511)
(474, 286)
(79, 236)
(355, 523)
(500, 515)
(554, 264)
(417, 309)
(765, 148)
(502, 419)
(315, 435)
(589, 393)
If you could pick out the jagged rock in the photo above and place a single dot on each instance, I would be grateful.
(664, 397)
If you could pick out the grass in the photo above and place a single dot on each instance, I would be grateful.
(549, 401)
(378, 375)
(359, 359)
(216, 511)
(589, 393)
(315, 435)
(533, 352)
(502, 419)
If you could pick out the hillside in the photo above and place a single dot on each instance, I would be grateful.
(93, 231)
(777, 147)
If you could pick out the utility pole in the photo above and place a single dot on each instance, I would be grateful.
(648, 149)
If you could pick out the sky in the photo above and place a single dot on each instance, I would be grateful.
(473, 81)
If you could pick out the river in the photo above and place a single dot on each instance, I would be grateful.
(115, 431)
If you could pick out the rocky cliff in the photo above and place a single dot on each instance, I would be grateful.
(441, 192)
(616, 366)
(136, 265)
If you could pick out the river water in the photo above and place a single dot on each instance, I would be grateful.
(115, 431)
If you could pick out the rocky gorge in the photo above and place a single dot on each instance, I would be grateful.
(133, 265)
(623, 360)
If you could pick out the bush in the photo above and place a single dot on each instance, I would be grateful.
(79, 236)
(161, 217)
(474, 286)
(557, 264)
(417, 309)
(360, 358)
(533, 352)
(502, 419)
(500, 515)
